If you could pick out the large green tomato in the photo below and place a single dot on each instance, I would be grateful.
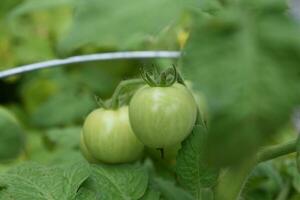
(109, 138)
(162, 116)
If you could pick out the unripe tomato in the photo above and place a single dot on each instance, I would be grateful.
(109, 137)
(85, 152)
(162, 116)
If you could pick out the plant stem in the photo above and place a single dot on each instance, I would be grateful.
(233, 180)
(275, 151)
(118, 90)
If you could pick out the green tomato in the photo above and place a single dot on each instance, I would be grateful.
(162, 116)
(85, 152)
(109, 137)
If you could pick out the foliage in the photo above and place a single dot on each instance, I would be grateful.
(241, 57)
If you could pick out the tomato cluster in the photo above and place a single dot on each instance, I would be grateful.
(160, 115)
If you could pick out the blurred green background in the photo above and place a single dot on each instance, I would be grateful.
(42, 112)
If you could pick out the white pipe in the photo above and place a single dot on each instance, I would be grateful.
(88, 58)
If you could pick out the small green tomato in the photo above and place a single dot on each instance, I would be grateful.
(109, 137)
(162, 116)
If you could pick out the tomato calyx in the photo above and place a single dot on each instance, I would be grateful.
(164, 79)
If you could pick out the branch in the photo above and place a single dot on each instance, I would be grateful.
(275, 151)
(120, 87)
(89, 58)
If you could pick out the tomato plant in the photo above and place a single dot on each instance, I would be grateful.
(210, 129)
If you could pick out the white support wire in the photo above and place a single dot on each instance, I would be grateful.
(88, 58)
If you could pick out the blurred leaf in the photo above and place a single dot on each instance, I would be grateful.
(11, 136)
(117, 182)
(33, 181)
(64, 152)
(298, 154)
(64, 137)
(151, 194)
(64, 156)
(105, 17)
(7, 5)
(169, 191)
(31, 87)
(294, 175)
(62, 109)
(34, 5)
(245, 60)
(102, 77)
(265, 181)
(191, 168)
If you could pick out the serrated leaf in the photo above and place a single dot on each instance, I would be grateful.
(94, 15)
(245, 60)
(169, 191)
(191, 167)
(124, 182)
(34, 181)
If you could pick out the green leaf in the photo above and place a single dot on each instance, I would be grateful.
(64, 108)
(245, 60)
(85, 193)
(105, 17)
(191, 167)
(265, 180)
(151, 194)
(169, 191)
(6, 6)
(127, 182)
(33, 181)
(64, 137)
(11, 134)
(35, 5)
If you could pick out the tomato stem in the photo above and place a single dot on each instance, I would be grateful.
(120, 87)
(275, 151)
